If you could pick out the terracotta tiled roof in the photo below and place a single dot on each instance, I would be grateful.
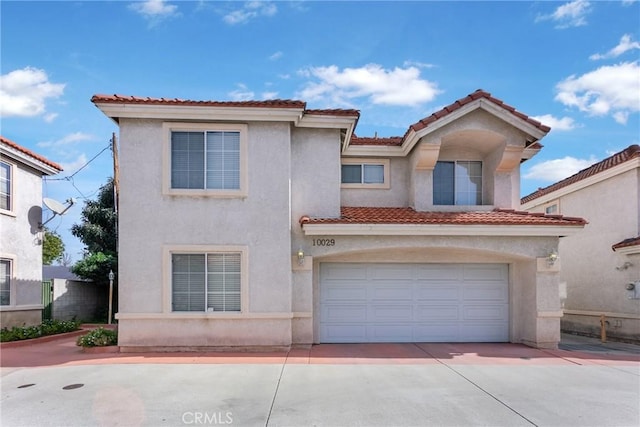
(369, 215)
(125, 99)
(633, 241)
(625, 155)
(30, 153)
(334, 112)
(393, 141)
(466, 100)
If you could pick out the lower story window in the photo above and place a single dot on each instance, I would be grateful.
(5, 281)
(206, 282)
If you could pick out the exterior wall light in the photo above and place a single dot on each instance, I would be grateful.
(632, 290)
(552, 258)
(300, 257)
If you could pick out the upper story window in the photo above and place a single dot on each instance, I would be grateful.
(206, 159)
(365, 173)
(6, 202)
(457, 183)
(552, 208)
(5, 281)
(206, 282)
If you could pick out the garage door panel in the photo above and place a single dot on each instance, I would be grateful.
(391, 292)
(414, 303)
(344, 312)
(438, 272)
(396, 312)
(344, 292)
(484, 273)
(484, 312)
(344, 271)
(485, 292)
(437, 312)
(439, 292)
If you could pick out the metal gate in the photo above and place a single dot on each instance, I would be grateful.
(47, 299)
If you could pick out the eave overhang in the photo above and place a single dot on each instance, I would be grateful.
(29, 161)
(439, 230)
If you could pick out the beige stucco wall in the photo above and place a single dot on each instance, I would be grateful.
(150, 221)
(19, 243)
(590, 268)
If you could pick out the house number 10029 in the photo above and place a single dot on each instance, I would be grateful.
(324, 242)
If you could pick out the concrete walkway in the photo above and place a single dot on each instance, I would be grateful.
(56, 384)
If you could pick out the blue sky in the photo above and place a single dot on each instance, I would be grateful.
(575, 66)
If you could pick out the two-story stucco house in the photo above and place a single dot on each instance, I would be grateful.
(21, 172)
(599, 263)
(265, 223)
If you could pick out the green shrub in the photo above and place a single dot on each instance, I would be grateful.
(48, 327)
(99, 337)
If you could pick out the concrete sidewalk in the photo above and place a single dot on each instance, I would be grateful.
(55, 384)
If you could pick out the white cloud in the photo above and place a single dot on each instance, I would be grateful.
(572, 14)
(24, 92)
(72, 138)
(242, 93)
(276, 56)
(564, 123)
(417, 64)
(558, 169)
(155, 11)
(625, 45)
(400, 86)
(74, 165)
(628, 2)
(611, 89)
(269, 95)
(250, 10)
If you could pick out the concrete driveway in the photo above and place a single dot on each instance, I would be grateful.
(55, 384)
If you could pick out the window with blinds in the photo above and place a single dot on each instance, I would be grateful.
(457, 183)
(5, 186)
(5, 281)
(206, 282)
(205, 160)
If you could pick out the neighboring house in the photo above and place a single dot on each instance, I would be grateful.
(21, 172)
(264, 223)
(599, 264)
(73, 297)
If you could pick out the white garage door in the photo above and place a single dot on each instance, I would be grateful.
(414, 303)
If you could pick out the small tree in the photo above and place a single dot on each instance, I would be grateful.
(98, 232)
(52, 247)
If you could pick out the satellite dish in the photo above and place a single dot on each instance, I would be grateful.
(56, 207)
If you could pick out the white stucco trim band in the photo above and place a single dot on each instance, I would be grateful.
(211, 316)
(600, 313)
(628, 250)
(437, 230)
(19, 156)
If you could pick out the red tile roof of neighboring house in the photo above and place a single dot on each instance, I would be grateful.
(30, 153)
(633, 241)
(372, 215)
(625, 155)
(334, 112)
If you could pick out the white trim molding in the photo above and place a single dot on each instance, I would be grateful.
(212, 316)
(437, 230)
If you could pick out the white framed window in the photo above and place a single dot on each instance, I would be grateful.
(206, 279)
(365, 173)
(205, 159)
(552, 208)
(6, 186)
(5, 281)
(457, 183)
